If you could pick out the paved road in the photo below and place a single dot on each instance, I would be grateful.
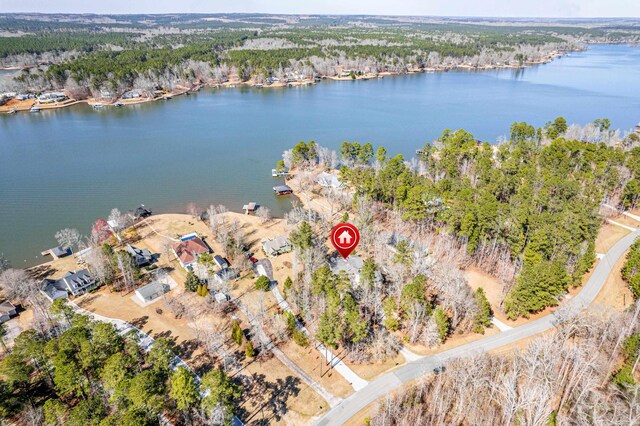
(412, 370)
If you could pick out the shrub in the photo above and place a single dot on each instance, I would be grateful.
(300, 338)
(263, 283)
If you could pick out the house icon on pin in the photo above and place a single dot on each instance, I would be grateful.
(345, 238)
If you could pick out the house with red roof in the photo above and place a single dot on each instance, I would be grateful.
(187, 251)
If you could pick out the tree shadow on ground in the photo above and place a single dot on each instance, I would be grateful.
(270, 398)
(187, 347)
(41, 272)
(87, 300)
(139, 322)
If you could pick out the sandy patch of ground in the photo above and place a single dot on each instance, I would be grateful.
(17, 105)
(453, 341)
(491, 285)
(371, 371)
(615, 293)
(609, 235)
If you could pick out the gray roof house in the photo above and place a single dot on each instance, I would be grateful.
(7, 310)
(352, 265)
(73, 283)
(152, 291)
(226, 275)
(141, 257)
(276, 246)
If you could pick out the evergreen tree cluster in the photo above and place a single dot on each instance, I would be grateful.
(89, 374)
(540, 202)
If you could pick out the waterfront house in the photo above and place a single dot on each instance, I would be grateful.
(7, 310)
(282, 190)
(189, 250)
(220, 261)
(151, 292)
(276, 246)
(52, 97)
(73, 283)
(132, 94)
(328, 180)
(142, 257)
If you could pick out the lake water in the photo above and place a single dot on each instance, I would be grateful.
(65, 168)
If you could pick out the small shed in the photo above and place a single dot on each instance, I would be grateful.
(250, 208)
(220, 261)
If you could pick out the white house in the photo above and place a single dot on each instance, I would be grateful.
(152, 291)
(329, 180)
(276, 246)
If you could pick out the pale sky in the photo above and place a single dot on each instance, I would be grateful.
(497, 8)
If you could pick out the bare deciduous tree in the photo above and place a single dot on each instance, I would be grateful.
(68, 237)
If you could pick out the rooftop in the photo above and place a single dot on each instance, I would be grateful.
(187, 251)
(153, 290)
(6, 307)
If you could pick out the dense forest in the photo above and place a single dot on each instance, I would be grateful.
(526, 211)
(86, 373)
(119, 53)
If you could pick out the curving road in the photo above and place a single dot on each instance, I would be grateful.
(350, 406)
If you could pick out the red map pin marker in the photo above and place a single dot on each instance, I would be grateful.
(345, 238)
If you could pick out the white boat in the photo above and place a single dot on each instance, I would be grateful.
(98, 106)
(12, 111)
(119, 104)
(34, 109)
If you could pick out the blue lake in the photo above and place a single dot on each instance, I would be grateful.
(65, 168)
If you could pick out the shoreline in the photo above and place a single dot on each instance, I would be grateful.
(11, 107)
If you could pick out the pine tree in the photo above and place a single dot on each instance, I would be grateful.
(248, 350)
(263, 283)
(483, 317)
(192, 282)
(442, 322)
(237, 334)
(287, 286)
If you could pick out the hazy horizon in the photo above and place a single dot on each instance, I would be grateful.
(560, 9)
